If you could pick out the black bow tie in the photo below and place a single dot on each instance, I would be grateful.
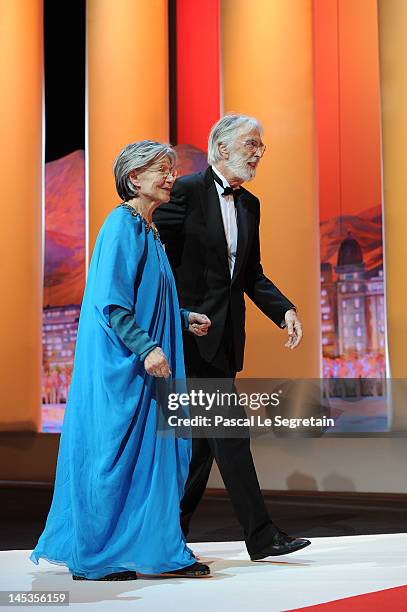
(227, 190)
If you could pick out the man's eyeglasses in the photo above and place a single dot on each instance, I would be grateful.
(252, 146)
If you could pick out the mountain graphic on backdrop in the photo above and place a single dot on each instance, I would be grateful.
(64, 265)
(365, 226)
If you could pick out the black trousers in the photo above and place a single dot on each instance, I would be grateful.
(232, 455)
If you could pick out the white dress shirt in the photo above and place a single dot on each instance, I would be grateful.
(228, 210)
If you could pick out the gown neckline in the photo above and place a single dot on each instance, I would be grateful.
(147, 225)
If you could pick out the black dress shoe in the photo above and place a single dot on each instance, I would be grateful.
(282, 544)
(116, 576)
(196, 570)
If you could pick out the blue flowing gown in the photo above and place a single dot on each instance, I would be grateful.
(118, 484)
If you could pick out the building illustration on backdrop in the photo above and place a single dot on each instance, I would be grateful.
(59, 331)
(353, 314)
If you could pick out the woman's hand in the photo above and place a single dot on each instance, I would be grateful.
(198, 323)
(156, 363)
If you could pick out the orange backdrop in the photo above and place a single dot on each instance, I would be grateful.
(393, 51)
(269, 75)
(21, 240)
(127, 85)
(347, 96)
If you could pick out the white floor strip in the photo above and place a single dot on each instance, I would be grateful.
(331, 568)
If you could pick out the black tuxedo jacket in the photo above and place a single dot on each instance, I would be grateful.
(191, 227)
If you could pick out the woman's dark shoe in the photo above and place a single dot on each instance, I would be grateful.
(197, 570)
(282, 544)
(116, 577)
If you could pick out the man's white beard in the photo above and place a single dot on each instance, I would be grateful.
(239, 167)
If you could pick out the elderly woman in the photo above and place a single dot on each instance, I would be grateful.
(115, 509)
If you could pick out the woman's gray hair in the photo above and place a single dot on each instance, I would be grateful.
(138, 156)
(224, 131)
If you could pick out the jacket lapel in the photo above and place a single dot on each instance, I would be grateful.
(243, 220)
(214, 222)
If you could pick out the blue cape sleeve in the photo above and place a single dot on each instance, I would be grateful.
(117, 263)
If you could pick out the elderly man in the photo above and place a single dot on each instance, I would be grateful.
(211, 231)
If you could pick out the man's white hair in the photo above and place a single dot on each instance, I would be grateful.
(225, 130)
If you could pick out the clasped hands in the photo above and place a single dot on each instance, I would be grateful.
(156, 363)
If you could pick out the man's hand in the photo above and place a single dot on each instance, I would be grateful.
(198, 323)
(156, 363)
(294, 329)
